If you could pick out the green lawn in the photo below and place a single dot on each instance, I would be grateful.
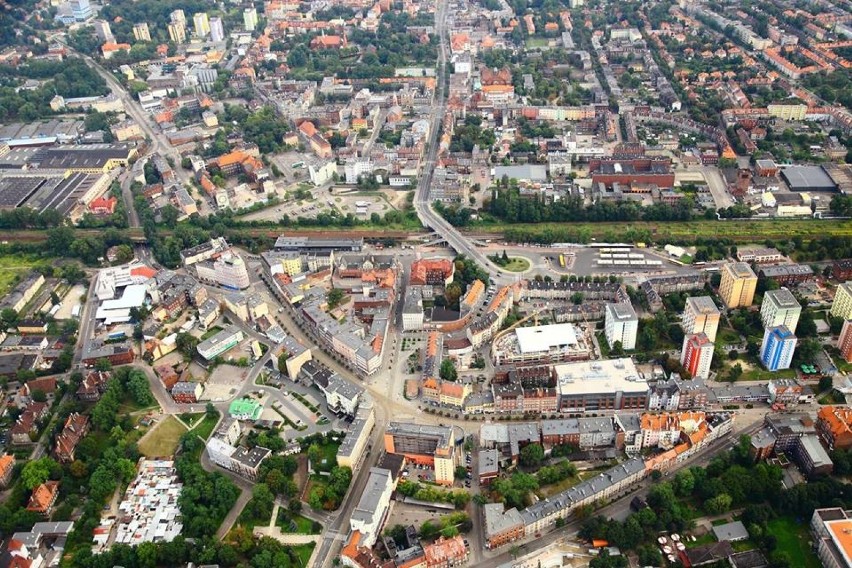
(329, 456)
(204, 429)
(164, 439)
(705, 539)
(304, 551)
(794, 540)
(517, 264)
(761, 374)
(537, 42)
(12, 266)
(728, 336)
(303, 524)
(211, 332)
(129, 406)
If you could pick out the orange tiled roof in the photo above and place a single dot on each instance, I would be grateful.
(838, 419)
(452, 389)
(6, 462)
(43, 496)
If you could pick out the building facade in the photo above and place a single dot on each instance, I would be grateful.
(622, 325)
(700, 315)
(738, 284)
(776, 351)
(780, 307)
(697, 354)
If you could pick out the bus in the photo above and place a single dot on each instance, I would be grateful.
(562, 260)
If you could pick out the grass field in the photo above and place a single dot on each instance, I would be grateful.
(211, 332)
(303, 524)
(728, 336)
(517, 264)
(163, 440)
(329, 456)
(304, 551)
(740, 231)
(794, 540)
(204, 429)
(534, 42)
(761, 374)
(11, 269)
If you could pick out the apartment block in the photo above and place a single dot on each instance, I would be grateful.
(842, 305)
(845, 341)
(697, 354)
(738, 284)
(780, 307)
(776, 350)
(700, 315)
(622, 325)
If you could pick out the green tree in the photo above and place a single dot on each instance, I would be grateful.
(8, 317)
(334, 297)
(37, 472)
(448, 371)
(532, 455)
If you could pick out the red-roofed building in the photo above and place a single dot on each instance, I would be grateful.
(76, 426)
(44, 498)
(432, 271)
(93, 386)
(110, 49)
(7, 466)
(328, 42)
(103, 205)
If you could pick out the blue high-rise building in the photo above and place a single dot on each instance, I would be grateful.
(81, 10)
(776, 351)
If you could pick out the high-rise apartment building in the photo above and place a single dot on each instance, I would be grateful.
(177, 32)
(621, 324)
(217, 30)
(201, 23)
(776, 351)
(697, 354)
(845, 341)
(700, 315)
(141, 32)
(780, 307)
(842, 305)
(738, 284)
(103, 31)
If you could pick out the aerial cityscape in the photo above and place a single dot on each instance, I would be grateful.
(426, 284)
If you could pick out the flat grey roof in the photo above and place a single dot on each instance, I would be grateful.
(488, 461)
(377, 484)
(803, 178)
(782, 298)
(730, 531)
(497, 520)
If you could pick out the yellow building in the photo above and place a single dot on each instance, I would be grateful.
(738, 285)
(292, 264)
(445, 469)
(126, 130)
(842, 305)
(453, 394)
(177, 32)
(788, 112)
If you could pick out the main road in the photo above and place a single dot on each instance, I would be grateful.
(422, 204)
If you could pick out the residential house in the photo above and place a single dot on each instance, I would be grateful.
(76, 426)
